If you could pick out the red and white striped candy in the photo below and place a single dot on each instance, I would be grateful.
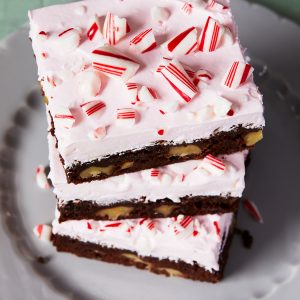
(178, 79)
(152, 175)
(126, 117)
(94, 29)
(183, 226)
(89, 84)
(151, 225)
(221, 106)
(69, 40)
(114, 64)
(252, 209)
(144, 41)
(210, 36)
(63, 117)
(216, 6)
(146, 95)
(43, 232)
(191, 73)
(132, 89)
(187, 8)
(201, 76)
(114, 28)
(98, 134)
(184, 43)
(213, 165)
(41, 178)
(93, 109)
(237, 74)
(159, 14)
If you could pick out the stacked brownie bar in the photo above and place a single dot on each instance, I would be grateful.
(151, 109)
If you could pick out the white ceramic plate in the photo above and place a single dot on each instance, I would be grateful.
(269, 270)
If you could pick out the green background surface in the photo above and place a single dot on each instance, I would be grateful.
(13, 13)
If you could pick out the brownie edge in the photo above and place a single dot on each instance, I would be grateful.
(129, 258)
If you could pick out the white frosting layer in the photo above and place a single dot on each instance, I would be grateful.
(174, 181)
(65, 66)
(199, 242)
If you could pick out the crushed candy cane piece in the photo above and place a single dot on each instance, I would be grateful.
(187, 7)
(147, 95)
(69, 40)
(180, 82)
(216, 6)
(237, 74)
(210, 36)
(213, 165)
(252, 209)
(144, 41)
(41, 178)
(43, 232)
(221, 106)
(184, 43)
(114, 28)
(132, 89)
(94, 29)
(126, 117)
(89, 84)
(114, 64)
(63, 117)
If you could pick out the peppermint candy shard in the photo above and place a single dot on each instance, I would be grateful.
(89, 83)
(221, 106)
(43, 232)
(237, 74)
(210, 36)
(114, 28)
(92, 108)
(144, 41)
(201, 76)
(41, 178)
(94, 29)
(216, 6)
(252, 209)
(146, 95)
(98, 134)
(114, 64)
(154, 172)
(184, 43)
(132, 89)
(159, 14)
(179, 80)
(69, 39)
(64, 118)
(187, 8)
(126, 117)
(213, 165)
(217, 228)
(183, 226)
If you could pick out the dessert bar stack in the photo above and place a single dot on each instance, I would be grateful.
(151, 109)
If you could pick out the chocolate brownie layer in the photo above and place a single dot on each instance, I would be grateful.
(161, 154)
(190, 206)
(155, 265)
